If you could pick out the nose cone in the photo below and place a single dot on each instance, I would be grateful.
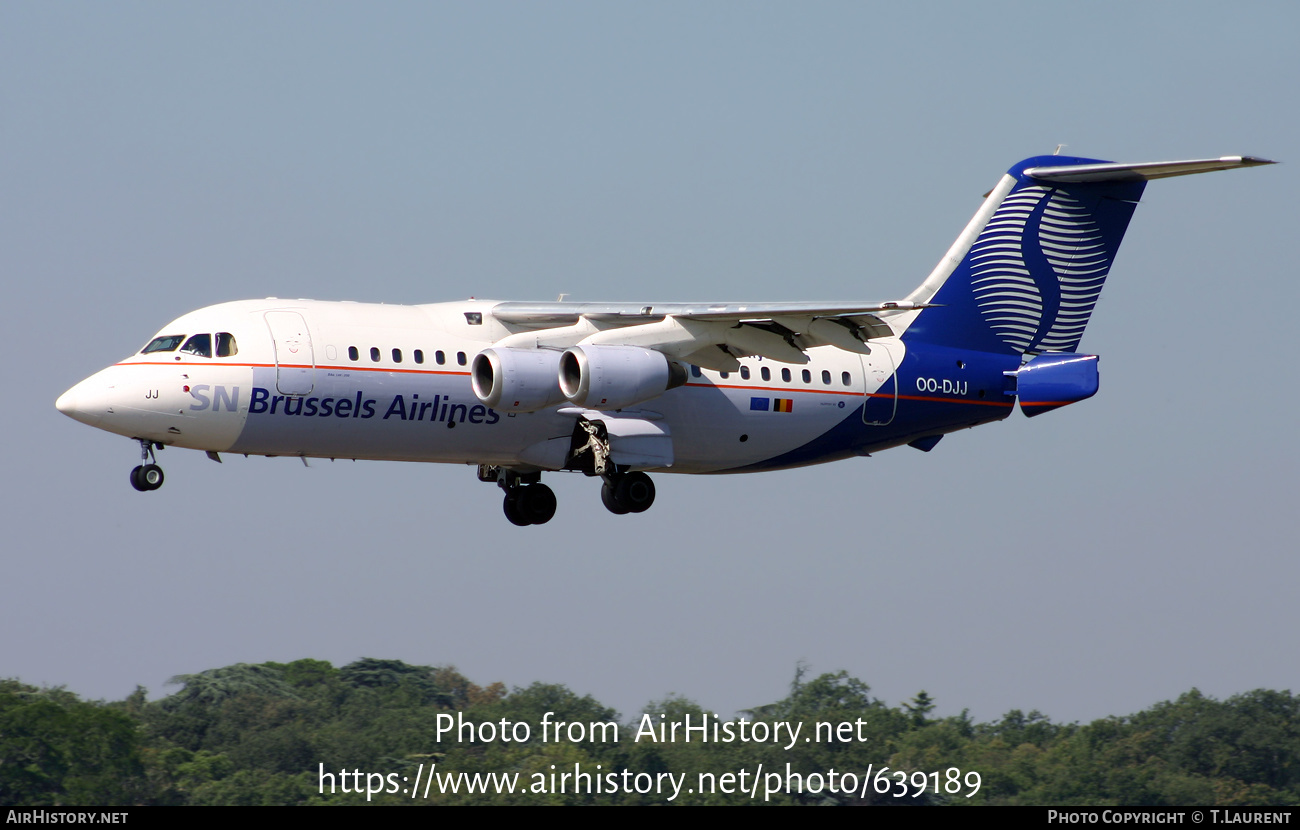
(67, 402)
(87, 402)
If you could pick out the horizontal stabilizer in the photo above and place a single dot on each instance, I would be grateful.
(1143, 171)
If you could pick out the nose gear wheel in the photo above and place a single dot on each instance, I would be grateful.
(147, 475)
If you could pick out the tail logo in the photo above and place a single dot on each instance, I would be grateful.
(1066, 253)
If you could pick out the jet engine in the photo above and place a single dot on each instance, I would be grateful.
(612, 377)
(517, 380)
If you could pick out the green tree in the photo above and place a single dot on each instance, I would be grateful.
(57, 750)
(216, 685)
(920, 708)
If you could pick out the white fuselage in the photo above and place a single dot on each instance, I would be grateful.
(385, 382)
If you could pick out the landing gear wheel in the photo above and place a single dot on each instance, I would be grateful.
(635, 491)
(628, 493)
(610, 500)
(151, 476)
(530, 504)
(512, 510)
(147, 477)
(536, 503)
(527, 501)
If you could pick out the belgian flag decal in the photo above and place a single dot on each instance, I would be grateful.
(776, 404)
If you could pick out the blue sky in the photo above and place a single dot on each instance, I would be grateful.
(161, 157)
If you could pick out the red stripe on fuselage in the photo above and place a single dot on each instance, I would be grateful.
(344, 367)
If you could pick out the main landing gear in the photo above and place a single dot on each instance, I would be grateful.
(627, 493)
(529, 502)
(148, 475)
(590, 453)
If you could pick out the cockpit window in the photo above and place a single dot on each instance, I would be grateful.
(226, 344)
(199, 344)
(166, 343)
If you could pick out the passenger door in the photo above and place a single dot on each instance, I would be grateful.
(880, 372)
(295, 362)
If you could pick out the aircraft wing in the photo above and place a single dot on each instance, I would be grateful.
(711, 335)
(546, 315)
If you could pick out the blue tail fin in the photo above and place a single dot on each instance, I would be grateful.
(1026, 273)
(1024, 276)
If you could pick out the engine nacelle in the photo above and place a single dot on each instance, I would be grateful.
(517, 380)
(612, 377)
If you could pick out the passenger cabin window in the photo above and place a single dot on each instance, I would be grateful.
(807, 376)
(744, 372)
(785, 375)
(226, 344)
(166, 343)
(439, 357)
(353, 354)
(199, 344)
(397, 355)
(460, 358)
(826, 377)
(845, 379)
(766, 373)
(374, 354)
(695, 371)
(724, 375)
(419, 355)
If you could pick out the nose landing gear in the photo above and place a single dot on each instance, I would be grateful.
(148, 475)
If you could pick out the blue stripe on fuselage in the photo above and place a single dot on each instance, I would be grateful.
(926, 406)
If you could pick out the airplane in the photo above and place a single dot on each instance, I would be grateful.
(620, 390)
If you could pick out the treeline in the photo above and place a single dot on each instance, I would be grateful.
(259, 735)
